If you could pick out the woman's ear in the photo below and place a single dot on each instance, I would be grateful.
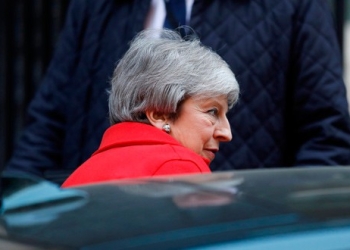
(156, 119)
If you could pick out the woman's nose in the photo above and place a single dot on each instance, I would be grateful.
(223, 131)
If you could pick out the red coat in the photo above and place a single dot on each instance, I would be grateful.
(132, 149)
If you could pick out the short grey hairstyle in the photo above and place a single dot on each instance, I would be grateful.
(159, 72)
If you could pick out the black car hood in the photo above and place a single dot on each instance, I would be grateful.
(175, 212)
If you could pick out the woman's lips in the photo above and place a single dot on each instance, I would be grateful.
(210, 153)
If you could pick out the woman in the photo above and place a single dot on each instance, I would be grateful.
(167, 106)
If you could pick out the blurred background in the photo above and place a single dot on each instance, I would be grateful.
(29, 30)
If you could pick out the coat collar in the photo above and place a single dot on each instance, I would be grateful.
(134, 133)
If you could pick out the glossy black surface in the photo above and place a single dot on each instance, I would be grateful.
(176, 212)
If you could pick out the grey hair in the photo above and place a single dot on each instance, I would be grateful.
(158, 73)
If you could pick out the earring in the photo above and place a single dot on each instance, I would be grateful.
(166, 128)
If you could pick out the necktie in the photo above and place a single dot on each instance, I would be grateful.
(176, 13)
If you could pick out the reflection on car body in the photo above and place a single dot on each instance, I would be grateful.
(277, 209)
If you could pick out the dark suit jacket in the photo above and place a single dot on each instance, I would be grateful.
(292, 110)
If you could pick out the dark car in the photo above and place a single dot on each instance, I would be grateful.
(290, 208)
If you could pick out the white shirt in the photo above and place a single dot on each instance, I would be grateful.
(157, 12)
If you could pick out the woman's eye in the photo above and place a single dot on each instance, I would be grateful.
(213, 112)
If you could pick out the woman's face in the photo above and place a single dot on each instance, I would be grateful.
(202, 124)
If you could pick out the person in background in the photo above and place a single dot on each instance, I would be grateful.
(292, 111)
(167, 106)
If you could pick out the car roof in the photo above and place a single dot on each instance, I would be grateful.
(175, 212)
